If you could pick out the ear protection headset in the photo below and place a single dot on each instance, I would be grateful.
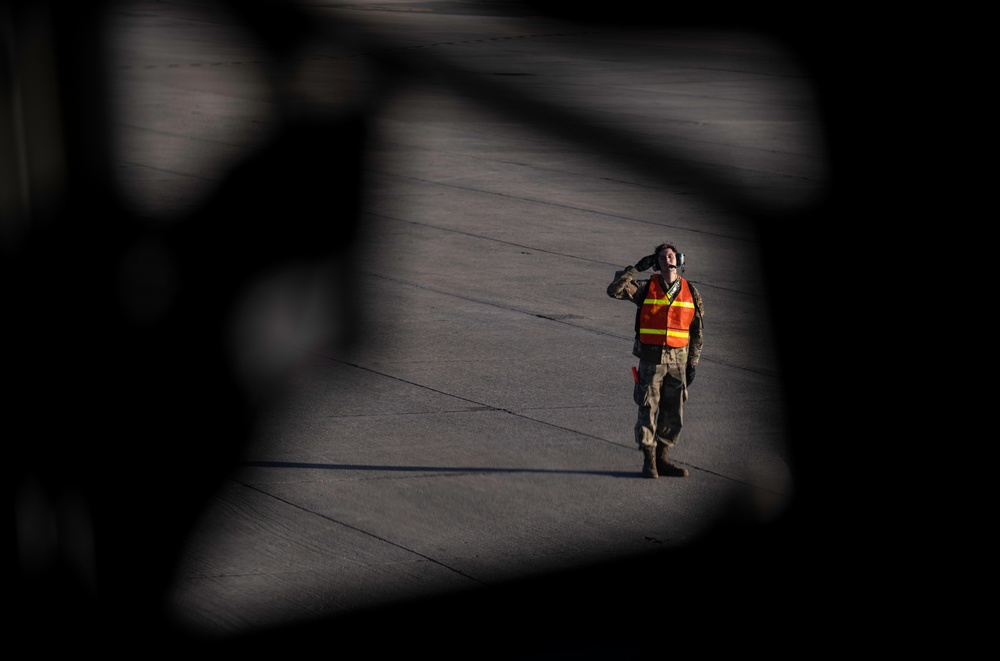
(663, 246)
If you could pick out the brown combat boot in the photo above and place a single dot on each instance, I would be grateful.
(663, 465)
(649, 462)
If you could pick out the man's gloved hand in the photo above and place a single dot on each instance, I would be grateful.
(645, 263)
(689, 374)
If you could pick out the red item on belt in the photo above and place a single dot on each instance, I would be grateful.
(635, 374)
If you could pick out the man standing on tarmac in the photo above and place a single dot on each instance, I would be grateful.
(668, 342)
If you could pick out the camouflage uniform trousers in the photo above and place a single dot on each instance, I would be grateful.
(660, 395)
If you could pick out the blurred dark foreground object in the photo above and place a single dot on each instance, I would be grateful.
(105, 409)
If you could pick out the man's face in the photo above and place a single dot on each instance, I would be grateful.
(667, 259)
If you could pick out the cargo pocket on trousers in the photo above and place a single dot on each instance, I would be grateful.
(639, 394)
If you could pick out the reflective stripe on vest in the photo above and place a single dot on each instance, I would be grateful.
(662, 322)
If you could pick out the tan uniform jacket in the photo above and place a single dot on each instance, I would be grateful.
(626, 287)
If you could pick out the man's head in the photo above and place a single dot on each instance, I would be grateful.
(668, 257)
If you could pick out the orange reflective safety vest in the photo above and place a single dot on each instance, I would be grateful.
(663, 321)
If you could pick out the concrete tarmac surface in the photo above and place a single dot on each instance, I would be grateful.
(365, 385)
